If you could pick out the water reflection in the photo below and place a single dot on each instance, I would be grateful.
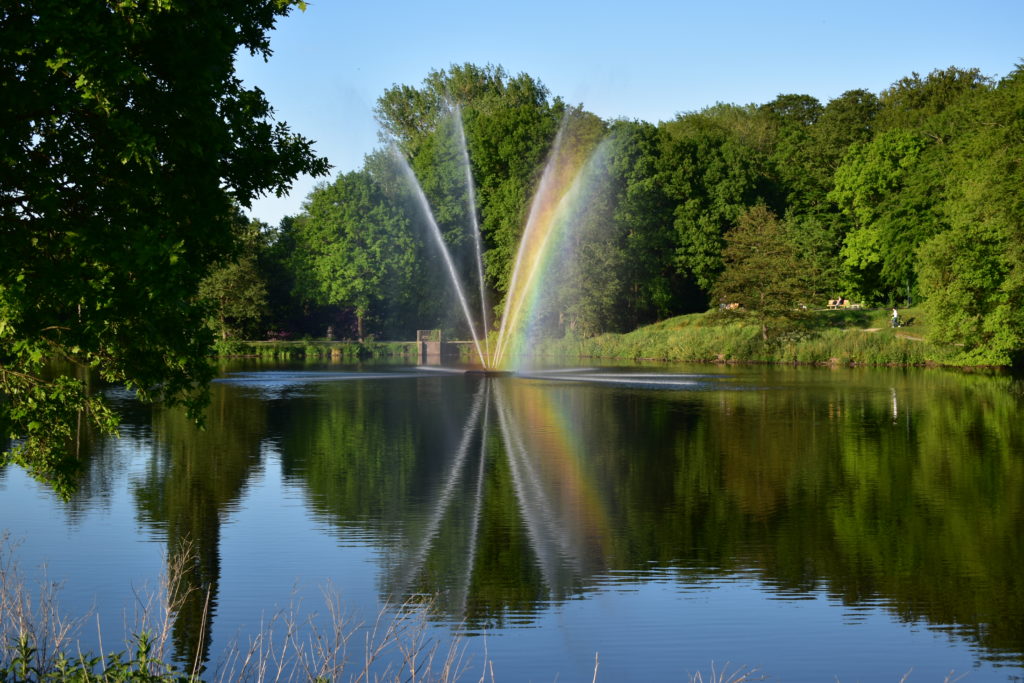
(515, 429)
(193, 478)
(497, 497)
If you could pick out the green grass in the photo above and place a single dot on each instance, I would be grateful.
(843, 337)
(846, 337)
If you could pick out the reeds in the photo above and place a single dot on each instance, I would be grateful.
(741, 674)
(34, 634)
(39, 643)
(295, 646)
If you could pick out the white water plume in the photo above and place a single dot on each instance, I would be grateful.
(475, 224)
(547, 180)
(435, 233)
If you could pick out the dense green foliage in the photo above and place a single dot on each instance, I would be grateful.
(127, 144)
(235, 289)
(20, 664)
(125, 249)
(762, 270)
(903, 197)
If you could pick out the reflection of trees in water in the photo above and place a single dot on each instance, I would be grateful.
(193, 479)
(816, 488)
(556, 548)
(828, 489)
(895, 488)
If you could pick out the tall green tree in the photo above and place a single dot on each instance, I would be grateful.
(910, 102)
(763, 273)
(806, 163)
(127, 141)
(236, 290)
(716, 166)
(354, 247)
(510, 123)
(845, 120)
(873, 187)
(644, 214)
(973, 272)
(792, 119)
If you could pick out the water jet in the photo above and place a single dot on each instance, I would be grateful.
(551, 239)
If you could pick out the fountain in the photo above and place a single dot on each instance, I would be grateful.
(571, 175)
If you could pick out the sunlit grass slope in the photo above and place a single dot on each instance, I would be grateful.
(826, 337)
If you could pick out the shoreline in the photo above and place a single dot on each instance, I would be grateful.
(827, 339)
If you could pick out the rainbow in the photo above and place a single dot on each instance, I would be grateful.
(558, 454)
(570, 177)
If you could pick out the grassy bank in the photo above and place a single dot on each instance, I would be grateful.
(845, 337)
(290, 350)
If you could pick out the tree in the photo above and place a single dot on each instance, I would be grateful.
(235, 290)
(644, 216)
(874, 187)
(127, 143)
(792, 118)
(973, 272)
(716, 166)
(762, 272)
(845, 120)
(354, 247)
(510, 124)
(911, 101)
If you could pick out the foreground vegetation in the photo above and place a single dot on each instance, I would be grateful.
(39, 643)
(129, 147)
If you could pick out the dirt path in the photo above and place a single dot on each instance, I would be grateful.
(901, 335)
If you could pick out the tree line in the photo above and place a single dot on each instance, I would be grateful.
(909, 196)
(131, 150)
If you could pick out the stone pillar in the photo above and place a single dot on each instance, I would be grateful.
(429, 342)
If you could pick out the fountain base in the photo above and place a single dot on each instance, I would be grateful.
(488, 373)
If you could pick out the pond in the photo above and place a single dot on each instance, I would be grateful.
(815, 524)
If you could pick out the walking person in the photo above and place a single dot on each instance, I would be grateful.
(895, 317)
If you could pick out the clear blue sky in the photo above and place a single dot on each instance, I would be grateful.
(640, 59)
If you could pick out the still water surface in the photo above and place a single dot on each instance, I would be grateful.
(813, 523)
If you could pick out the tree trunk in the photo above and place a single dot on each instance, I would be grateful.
(359, 327)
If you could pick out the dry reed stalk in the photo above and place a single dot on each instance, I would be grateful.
(742, 674)
(156, 609)
(31, 622)
(294, 646)
(291, 646)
